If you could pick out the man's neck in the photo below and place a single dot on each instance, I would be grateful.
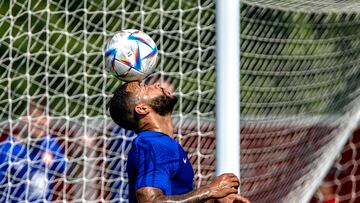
(158, 123)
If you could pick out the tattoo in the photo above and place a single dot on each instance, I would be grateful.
(150, 194)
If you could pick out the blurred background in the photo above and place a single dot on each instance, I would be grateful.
(299, 94)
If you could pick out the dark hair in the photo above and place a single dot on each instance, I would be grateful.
(122, 108)
(163, 104)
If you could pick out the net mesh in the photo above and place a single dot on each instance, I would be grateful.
(299, 95)
(299, 90)
(342, 181)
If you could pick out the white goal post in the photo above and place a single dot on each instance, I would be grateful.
(228, 87)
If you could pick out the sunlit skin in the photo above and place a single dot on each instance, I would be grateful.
(35, 124)
(150, 120)
(223, 188)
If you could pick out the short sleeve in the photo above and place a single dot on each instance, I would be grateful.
(4, 149)
(59, 165)
(156, 163)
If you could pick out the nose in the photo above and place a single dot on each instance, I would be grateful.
(157, 85)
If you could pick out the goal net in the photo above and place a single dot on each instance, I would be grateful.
(299, 103)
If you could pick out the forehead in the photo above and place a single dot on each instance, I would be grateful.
(35, 109)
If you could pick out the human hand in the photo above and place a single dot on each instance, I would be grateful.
(224, 185)
(233, 198)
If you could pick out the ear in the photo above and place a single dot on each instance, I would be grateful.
(142, 109)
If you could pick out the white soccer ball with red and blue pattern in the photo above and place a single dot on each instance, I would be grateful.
(131, 55)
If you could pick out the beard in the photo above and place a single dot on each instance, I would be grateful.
(163, 104)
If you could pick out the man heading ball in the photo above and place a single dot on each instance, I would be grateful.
(158, 167)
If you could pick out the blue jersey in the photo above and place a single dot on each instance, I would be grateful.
(27, 172)
(117, 146)
(157, 160)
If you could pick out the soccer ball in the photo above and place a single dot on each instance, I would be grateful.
(131, 55)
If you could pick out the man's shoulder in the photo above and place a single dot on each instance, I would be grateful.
(154, 140)
(159, 145)
(5, 148)
(51, 143)
(10, 143)
(10, 147)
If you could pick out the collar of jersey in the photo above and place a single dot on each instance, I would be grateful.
(151, 133)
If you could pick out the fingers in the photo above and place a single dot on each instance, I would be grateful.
(238, 198)
(230, 176)
(234, 184)
(224, 185)
(230, 191)
(242, 200)
(230, 180)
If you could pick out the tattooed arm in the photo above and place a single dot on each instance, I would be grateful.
(151, 194)
(221, 186)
